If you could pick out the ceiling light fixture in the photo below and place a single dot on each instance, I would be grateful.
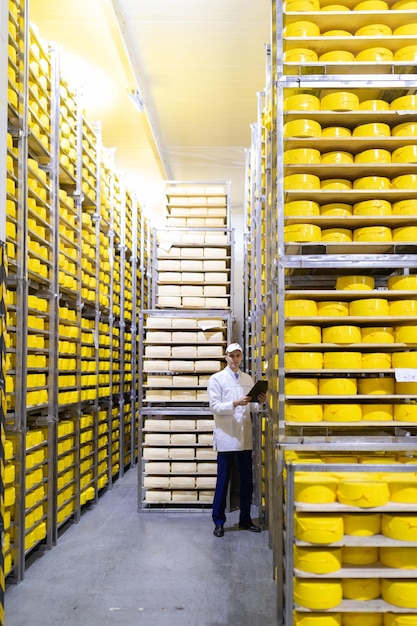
(136, 98)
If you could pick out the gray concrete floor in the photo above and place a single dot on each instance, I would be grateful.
(119, 567)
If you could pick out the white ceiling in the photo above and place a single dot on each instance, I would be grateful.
(198, 65)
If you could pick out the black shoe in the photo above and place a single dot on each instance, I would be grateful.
(218, 530)
(251, 527)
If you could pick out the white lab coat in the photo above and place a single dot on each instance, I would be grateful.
(232, 425)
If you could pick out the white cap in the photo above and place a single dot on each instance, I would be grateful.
(232, 347)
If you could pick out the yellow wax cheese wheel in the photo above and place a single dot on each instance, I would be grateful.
(382, 334)
(337, 56)
(399, 619)
(332, 308)
(302, 233)
(374, 155)
(363, 493)
(373, 30)
(302, 155)
(405, 413)
(341, 334)
(408, 53)
(362, 525)
(405, 154)
(301, 207)
(337, 33)
(372, 5)
(372, 234)
(303, 334)
(301, 28)
(304, 360)
(315, 487)
(301, 181)
(361, 588)
(318, 529)
(406, 334)
(407, 129)
(336, 131)
(300, 307)
(300, 55)
(369, 306)
(355, 283)
(363, 555)
(373, 129)
(302, 128)
(337, 386)
(405, 233)
(302, 102)
(402, 488)
(317, 619)
(303, 412)
(406, 29)
(375, 183)
(362, 619)
(402, 593)
(404, 359)
(406, 181)
(301, 5)
(10, 186)
(374, 105)
(377, 360)
(372, 207)
(301, 386)
(376, 386)
(342, 413)
(341, 184)
(12, 97)
(317, 560)
(405, 102)
(336, 208)
(317, 594)
(339, 101)
(335, 157)
(342, 360)
(399, 526)
(335, 7)
(403, 307)
(403, 283)
(336, 235)
(404, 5)
(406, 389)
(377, 412)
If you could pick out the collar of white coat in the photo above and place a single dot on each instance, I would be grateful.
(232, 373)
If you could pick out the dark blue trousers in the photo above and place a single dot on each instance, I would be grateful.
(224, 470)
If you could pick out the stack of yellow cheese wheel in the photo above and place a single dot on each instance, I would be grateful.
(363, 525)
(363, 493)
(399, 526)
(318, 529)
(317, 560)
(303, 412)
(355, 283)
(403, 283)
(317, 594)
(361, 588)
(401, 593)
(369, 307)
(342, 413)
(316, 488)
(363, 555)
(377, 360)
(303, 360)
(337, 386)
(377, 412)
(342, 360)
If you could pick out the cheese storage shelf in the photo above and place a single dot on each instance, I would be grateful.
(197, 205)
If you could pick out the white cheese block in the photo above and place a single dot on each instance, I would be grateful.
(181, 425)
(183, 439)
(184, 322)
(217, 211)
(181, 366)
(182, 453)
(195, 277)
(176, 221)
(193, 301)
(216, 200)
(215, 253)
(205, 424)
(169, 266)
(191, 265)
(193, 238)
(158, 496)
(177, 208)
(156, 482)
(198, 200)
(155, 366)
(216, 190)
(184, 496)
(155, 336)
(169, 277)
(164, 252)
(157, 439)
(155, 453)
(206, 468)
(167, 290)
(157, 425)
(205, 439)
(200, 211)
(216, 277)
(203, 381)
(185, 381)
(183, 467)
(192, 252)
(217, 303)
(187, 351)
(215, 290)
(159, 381)
(155, 467)
(212, 238)
(206, 454)
(215, 222)
(196, 222)
(207, 366)
(210, 336)
(169, 302)
(158, 322)
(210, 351)
(206, 496)
(157, 351)
(191, 290)
(182, 482)
(202, 396)
(205, 482)
(183, 395)
(185, 337)
(214, 266)
(158, 395)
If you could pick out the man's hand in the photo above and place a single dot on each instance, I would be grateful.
(242, 401)
(261, 398)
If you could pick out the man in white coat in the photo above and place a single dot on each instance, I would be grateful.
(231, 406)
